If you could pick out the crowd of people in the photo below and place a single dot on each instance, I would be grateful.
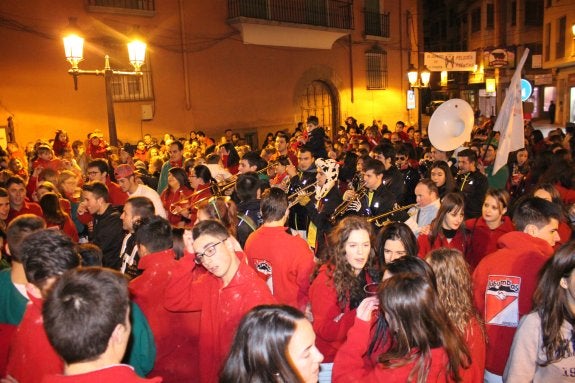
(369, 256)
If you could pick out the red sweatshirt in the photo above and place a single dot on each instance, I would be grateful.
(31, 354)
(458, 243)
(482, 240)
(504, 282)
(349, 366)
(118, 373)
(330, 322)
(27, 208)
(284, 258)
(221, 308)
(175, 334)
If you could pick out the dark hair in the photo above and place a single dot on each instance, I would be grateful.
(90, 254)
(18, 229)
(274, 204)
(418, 323)
(470, 154)
(449, 181)
(396, 231)
(142, 207)
(181, 176)
(51, 209)
(375, 165)
(177, 143)
(247, 186)
(283, 160)
(213, 158)
(47, 253)
(210, 227)
(3, 192)
(101, 164)
(178, 245)
(14, 180)
(387, 150)
(414, 265)
(348, 286)
(82, 311)
(306, 149)
(97, 188)
(312, 120)
(450, 202)
(283, 135)
(535, 211)
(154, 232)
(551, 303)
(233, 156)
(203, 172)
(259, 352)
(253, 159)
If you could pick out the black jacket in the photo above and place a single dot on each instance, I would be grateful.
(473, 185)
(249, 219)
(108, 235)
(298, 217)
(320, 216)
(316, 143)
(393, 180)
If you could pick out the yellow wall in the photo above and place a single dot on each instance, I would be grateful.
(231, 85)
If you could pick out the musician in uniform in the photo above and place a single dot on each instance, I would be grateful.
(304, 175)
(392, 177)
(376, 197)
(321, 204)
(471, 183)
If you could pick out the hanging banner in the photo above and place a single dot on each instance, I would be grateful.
(450, 61)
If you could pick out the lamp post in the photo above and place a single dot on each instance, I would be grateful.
(418, 81)
(74, 46)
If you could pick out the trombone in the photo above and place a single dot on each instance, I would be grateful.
(186, 199)
(231, 181)
(342, 207)
(376, 219)
(293, 198)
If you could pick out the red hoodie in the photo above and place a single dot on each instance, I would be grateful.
(482, 240)
(504, 282)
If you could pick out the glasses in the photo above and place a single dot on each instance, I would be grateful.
(400, 158)
(209, 251)
(93, 173)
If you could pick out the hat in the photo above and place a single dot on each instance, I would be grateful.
(123, 171)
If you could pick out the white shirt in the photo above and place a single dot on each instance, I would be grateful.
(152, 195)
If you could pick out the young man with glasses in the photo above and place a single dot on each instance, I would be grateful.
(223, 295)
(404, 161)
(392, 178)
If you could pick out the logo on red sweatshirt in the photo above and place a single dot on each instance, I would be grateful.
(502, 300)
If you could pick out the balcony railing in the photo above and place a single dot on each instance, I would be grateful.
(377, 24)
(325, 13)
(136, 7)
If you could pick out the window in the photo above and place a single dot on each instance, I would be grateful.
(476, 20)
(490, 22)
(129, 88)
(123, 6)
(376, 68)
(547, 41)
(560, 45)
(533, 13)
(513, 13)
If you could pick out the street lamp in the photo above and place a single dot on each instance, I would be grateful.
(418, 81)
(74, 46)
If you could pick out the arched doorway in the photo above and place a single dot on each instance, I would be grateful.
(319, 99)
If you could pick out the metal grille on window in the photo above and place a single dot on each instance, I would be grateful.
(129, 88)
(376, 68)
(316, 101)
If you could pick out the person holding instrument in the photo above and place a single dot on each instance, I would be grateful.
(178, 188)
(322, 204)
(303, 176)
(378, 199)
(339, 286)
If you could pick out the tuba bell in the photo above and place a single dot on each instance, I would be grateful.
(451, 125)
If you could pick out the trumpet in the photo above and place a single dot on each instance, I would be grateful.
(342, 207)
(376, 219)
(292, 198)
(231, 181)
(185, 201)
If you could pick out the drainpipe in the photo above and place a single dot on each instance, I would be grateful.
(184, 55)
